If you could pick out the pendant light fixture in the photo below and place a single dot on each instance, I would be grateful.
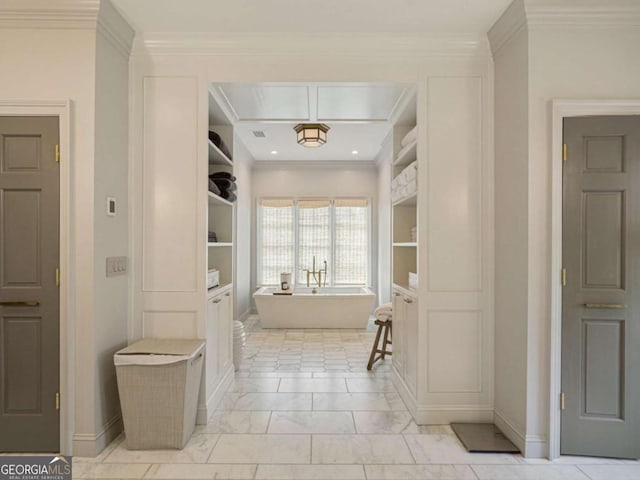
(311, 134)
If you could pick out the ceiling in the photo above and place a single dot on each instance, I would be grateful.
(359, 115)
(295, 16)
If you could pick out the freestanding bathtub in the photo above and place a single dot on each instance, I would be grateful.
(347, 307)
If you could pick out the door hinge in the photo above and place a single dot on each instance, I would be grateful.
(562, 401)
(564, 152)
(57, 153)
(57, 400)
(57, 277)
(563, 277)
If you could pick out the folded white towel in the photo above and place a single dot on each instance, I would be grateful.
(384, 308)
(410, 136)
(403, 151)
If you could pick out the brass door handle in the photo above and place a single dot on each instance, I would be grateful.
(27, 303)
(605, 305)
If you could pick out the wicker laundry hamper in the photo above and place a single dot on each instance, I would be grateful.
(159, 383)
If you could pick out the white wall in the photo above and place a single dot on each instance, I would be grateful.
(293, 181)
(604, 64)
(111, 235)
(67, 57)
(574, 56)
(55, 59)
(384, 159)
(511, 203)
(242, 161)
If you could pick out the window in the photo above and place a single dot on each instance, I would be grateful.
(351, 250)
(276, 239)
(291, 232)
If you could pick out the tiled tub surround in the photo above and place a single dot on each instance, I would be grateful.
(303, 406)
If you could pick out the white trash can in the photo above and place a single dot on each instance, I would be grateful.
(159, 383)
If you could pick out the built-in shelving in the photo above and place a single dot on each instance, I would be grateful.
(220, 212)
(407, 156)
(217, 199)
(212, 292)
(411, 200)
(404, 251)
(217, 156)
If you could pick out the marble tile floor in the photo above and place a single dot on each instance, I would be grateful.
(303, 406)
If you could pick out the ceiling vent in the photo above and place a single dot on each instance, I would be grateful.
(259, 134)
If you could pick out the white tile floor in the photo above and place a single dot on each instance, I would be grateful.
(303, 406)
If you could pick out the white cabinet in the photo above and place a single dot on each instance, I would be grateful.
(405, 337)
(397, 333)
(225, 329)
(411, 345)
(219, 336)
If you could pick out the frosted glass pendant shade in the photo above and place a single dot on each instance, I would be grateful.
(311, 134)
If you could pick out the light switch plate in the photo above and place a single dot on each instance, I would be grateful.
(116, 266)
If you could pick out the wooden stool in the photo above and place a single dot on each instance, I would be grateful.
(387, 326)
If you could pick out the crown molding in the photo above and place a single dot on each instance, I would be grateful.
(329, 44)
(304, 164)
(583, 13)
(51, 14)
(510, 23)
(116, 30)
(560, 13)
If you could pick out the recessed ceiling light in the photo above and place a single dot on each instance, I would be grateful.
(354, 152)
(274, 152)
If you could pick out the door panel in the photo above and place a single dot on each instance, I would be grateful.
(23, 361)
(21, 262)
(601, 299)
(29, 303)
(603, 347)
(603, 240)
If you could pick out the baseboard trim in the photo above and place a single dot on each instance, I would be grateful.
(536, 446)
(531, 446)
(245, 315)
(90, 445)
(510, 430)
(403, 390)
(205, 411)
(446, 414)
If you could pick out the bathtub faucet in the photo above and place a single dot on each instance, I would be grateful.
(313, 272)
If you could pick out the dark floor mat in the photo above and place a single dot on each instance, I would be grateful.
(483, 438)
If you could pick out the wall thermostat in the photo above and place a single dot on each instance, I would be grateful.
(111, 206)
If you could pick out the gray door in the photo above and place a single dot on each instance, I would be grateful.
(29, 303)
(601, 298)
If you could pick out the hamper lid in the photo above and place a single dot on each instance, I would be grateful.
(158, 351)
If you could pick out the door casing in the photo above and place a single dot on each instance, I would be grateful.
(560, 110)
(60, 109)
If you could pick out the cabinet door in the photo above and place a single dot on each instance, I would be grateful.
(211, 365)
(397, 333)
(224, 333)
(411, 345)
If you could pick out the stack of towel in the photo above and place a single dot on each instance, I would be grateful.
(384, 312)
(224, 183)
(218, 142)
(405, 184)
